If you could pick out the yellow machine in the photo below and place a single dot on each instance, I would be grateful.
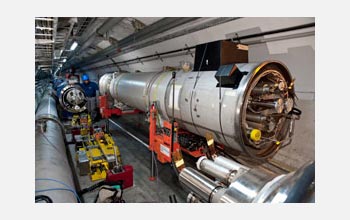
(96, 153)
(83, 122)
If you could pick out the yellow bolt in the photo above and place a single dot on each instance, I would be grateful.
(255, 135)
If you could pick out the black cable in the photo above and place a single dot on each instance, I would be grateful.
(114, 197)
(276, 31)
(194, 86)
(43, 198)
(99, 184)
(172, 126)
(296, 111)
(174, 197)
(220, 108)
(91, 188)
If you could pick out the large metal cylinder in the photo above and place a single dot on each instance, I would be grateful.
(215, 170)
(104, 83)
(72, 98)
(202, 106)
(256, 185)
(201, 185)
(229, 164)
(51, 163)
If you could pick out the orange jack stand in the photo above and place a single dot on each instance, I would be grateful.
(160, 143)
(107, 112)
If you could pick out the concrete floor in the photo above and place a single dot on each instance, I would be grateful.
(302, 148)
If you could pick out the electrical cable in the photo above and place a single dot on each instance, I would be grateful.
(54, 189)
(172, 126)
(194, 86)
(91, 188)
(58, 181)
(220, 108)
(45, 198)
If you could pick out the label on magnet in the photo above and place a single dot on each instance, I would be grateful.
(210, 142)
(176, 99)
(165, 150)
(230, 93)
(242, 47)
(179, 163)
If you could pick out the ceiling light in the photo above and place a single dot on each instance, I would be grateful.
(64, 60)
(74, 45)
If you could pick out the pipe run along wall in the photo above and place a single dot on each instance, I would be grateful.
(51, 161)
(265, 92)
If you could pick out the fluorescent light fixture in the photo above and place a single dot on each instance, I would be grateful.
(64, 60)
(74, 45)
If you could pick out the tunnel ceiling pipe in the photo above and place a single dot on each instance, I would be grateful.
(108, 25)
(158, 27)
(101, 29)
(178, 52)
(282, 30)
(50, 155)
(197, 104)
(183, 32)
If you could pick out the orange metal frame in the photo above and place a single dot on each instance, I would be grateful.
(107, 112)
(161, 143)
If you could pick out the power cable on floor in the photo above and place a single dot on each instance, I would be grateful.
(57, 181)
(54, 189)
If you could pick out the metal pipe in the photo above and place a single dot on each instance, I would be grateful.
(178, 52)
(149, 31)
(256, 117)
(185, 31)
(276, 105)
(261, 90)
(215, 170)
(130, 134)
(201, 185)
(108, 25)
(51, 161)
(294, 28)
(229, 164)
(262, 127)
(250, 185)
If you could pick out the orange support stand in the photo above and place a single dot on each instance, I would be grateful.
(160, 143)
(107, 112)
